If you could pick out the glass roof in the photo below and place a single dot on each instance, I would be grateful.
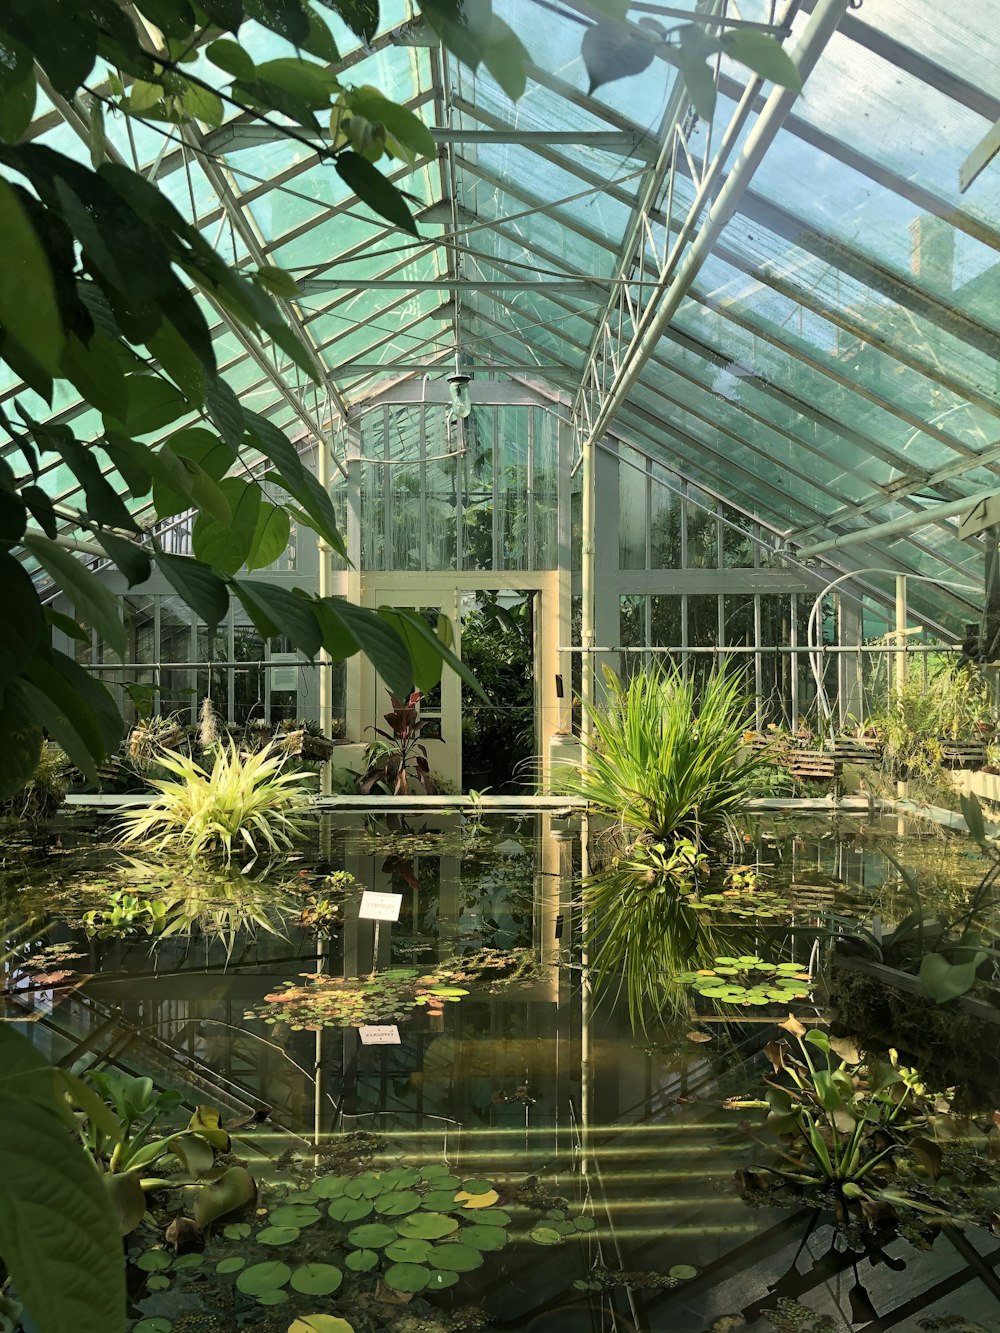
(832, 365)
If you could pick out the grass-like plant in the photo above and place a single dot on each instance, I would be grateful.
(668, 756)
(245, 801)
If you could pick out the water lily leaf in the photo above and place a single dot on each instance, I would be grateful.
(321, 1323)
(469, 1199)
(231, 1265)
(158, 1282)
(682, 1272)
(372, 1236)
(484, 1238)
(545, 1236)
(272, 1298)
(402, 1178)
(153, 1261)
(584, 1223)
(237, 1231)
(188, 1261)
(397, 1202)
(317, 1279)
(456, 1256)
(477, 1186)
(492, 1217)
(330, 1187)
(294, 1215)
(362, 1261)
(442, 1201)
(407, 1277)
(349, 1210)
(441, 1278)
(155, 1325)
(277, 1235)
(405, 1251)
(427, 1226)
(260, 1278)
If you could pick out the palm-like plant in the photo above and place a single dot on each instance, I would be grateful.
(669, 757)
(245, 800)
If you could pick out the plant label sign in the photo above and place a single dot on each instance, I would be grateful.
(380, 906)
(383, 1034)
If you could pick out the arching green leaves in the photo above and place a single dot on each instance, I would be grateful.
(373, 189)
(91, 599)
(227, 545)
(270, 536)
(611, 51)
(198, 585)
(24, 619)
(28, 311)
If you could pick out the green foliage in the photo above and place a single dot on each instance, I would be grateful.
(668, 756)
(59, 1237)
(244, 803)
(44, 792)
(498, 736)
(749, 980)
(953, 706)
(848, 1125)
(325, 1001)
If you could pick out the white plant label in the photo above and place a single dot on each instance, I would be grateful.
(380, 906)
(385, 1034)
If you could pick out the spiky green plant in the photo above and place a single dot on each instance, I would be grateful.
(669, 757)
(244, 801)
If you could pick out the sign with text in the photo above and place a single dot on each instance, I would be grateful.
(380, 906)
(384, 1034)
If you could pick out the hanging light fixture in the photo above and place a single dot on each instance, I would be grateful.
(461, 403)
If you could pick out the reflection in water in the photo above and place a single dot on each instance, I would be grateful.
(494, 1083)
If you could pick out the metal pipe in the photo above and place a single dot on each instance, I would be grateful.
(722, 650)
(663, 306)
(951, 509)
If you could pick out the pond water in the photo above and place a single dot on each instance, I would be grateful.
(474, 1044)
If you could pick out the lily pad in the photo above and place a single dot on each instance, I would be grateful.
(545, 1236)
(153, 1261)
(406, 1251)
(372, 1236)
(263, 1277)
(330, 1187)
(397, 1202)
(158, 1282)
(441, 1278)
(321, 1323)
(237, 1231)
(492, 1217)
(294, 1215)
(458, 1257)
(469, 1200)
(316, 1279)
(484, 1238)
(584, 1223)
(362, 1261)
(231, 1265)
(277, 1235)
(349, 1210)
(442, 1200)
(426, 1226)
(366, 1186)
(272, 1298)
(399, 1178)
(407, 1277)
(187, 1261)
(477, 1186)
(682, 1272)
(155, 1325)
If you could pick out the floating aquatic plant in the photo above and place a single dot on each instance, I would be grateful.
(323, 1001)
(749, 980)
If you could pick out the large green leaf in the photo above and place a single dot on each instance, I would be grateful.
(131, 559)
(58, 1233)
(95, 369)
(318, 510)
(17, 90)
(91, 599)
(375, 190)
(944, 981)
(28, 308)
(186, 473)
(226, 546)
(428, 651)
(270, 538)
(611, 51)
(151, 403)
(277, 610)
(197, 584)
(404, 126)
(764, 55)
(20, 741)
(379, 641)
(24, 621)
